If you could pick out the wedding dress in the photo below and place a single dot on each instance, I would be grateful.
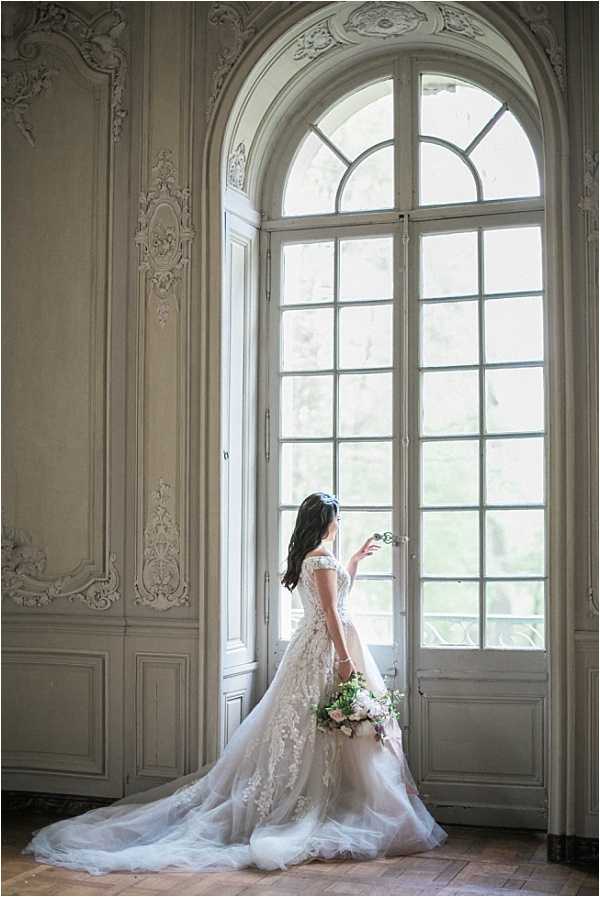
(282, 792)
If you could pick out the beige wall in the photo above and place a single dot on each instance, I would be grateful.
(105, 374)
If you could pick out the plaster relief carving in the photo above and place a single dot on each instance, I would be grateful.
(236, 167)
(589, 199)
(537, 17)
(315, 41)
(228, 14)
(23, 568)
(164, 235)
(384, 19)
(456, 21)
(19, 89)
(95, 39)
(162, 586)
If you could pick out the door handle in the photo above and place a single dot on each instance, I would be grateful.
(388, 537)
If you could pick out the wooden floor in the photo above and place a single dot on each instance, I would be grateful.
(472, 861)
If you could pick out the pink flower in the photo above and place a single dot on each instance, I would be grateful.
(337, 715)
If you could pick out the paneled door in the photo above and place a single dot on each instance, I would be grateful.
(335, 418)
(478, 522)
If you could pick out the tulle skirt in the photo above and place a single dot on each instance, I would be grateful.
(281, 793)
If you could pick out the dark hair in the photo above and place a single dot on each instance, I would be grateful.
(315, 515)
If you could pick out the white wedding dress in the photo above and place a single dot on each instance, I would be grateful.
(281, 793)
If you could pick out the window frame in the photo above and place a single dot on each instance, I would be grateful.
(404, 67)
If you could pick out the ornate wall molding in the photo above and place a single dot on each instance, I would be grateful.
(384, 19)
(162, 585)
(588, 202)
(236, 167)
(95, 40)
(537, 17)
(23, 568)
(164, 235)
(457, 21)
(20, 88)
(315, 41)
(227, 14)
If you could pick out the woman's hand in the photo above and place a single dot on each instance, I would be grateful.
(366, 549)
(346, 668)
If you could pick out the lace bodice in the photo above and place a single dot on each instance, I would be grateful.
(308, 590)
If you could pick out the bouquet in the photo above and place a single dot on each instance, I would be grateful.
(355, 711)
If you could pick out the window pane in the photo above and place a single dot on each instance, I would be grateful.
(448, 265)
(307, 339)
(506, 162)
(361, 120)
(371, 184)
(515, 471)
(306, 406)
(365, 405)
(308, 272)
(450, 403)
(450, 543)
(365, 339)
(313, 179)
(514, 543)
(355, 528)
(371, 606)
(449, 333)
(305, 467)
(512, 259)
(443, 176)
(514, 329)
(450, 614)
(515, 615)
(366, 269)
(365, 473)
(287, 522)
(514, 400)
(454, 110)
(450, 472)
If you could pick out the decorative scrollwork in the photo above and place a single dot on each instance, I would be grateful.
(236, 167)
(457, 21)
(162, 586)
(95, 40)
(384, 19)
(19, 89)
(164, 235)
(227, 14)
(315, 41)
(537, 17)
(24, 567)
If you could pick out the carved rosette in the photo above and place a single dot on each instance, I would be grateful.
(457, 21)
(384, 19)
(23, 569)
(315, 41)
(236, 167)
(227, 14)
(95, 40)
(162, 585)
(164, 236)
(20, 88)
(538, 18)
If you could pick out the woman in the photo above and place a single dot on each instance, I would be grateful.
(283, 791)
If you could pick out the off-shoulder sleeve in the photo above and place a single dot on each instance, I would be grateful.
(322, 562)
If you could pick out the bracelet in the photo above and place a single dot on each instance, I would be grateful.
(342, 659)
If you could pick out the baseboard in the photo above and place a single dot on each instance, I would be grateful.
(60, 805)
(572, 849)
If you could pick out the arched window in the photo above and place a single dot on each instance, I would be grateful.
(407, 354)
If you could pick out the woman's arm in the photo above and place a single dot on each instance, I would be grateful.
(326, 580)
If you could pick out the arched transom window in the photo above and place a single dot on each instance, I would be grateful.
(407, 342)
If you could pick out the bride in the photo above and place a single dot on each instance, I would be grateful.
(282, 792)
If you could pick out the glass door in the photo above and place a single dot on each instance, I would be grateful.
(335, 418)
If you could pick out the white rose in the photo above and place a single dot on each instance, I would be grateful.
(346, 730)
